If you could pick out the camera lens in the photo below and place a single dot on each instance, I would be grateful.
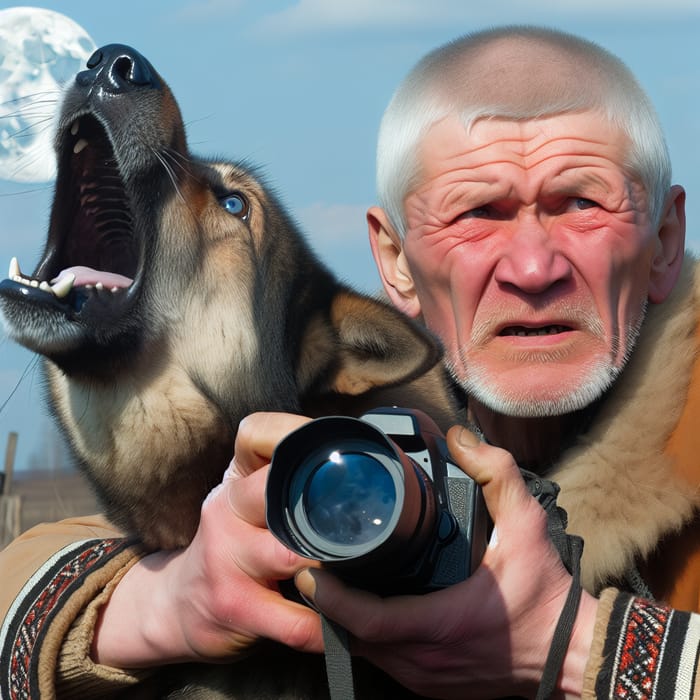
(349, 498)
(340, 491)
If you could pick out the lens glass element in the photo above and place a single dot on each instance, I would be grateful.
(349, 498)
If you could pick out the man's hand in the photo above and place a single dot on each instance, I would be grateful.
(487, 636)
(211, 600)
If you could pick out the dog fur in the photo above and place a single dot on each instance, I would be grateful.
(219, 309)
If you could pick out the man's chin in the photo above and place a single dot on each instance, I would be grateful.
(528, 400)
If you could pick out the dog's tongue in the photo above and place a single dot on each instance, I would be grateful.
(86, 275)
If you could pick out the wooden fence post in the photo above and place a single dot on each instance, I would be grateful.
(10, 505)
(10, 452)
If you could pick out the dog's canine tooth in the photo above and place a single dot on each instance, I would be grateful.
(79, 145)
(75, 127)
(63, 286)
(14, 269)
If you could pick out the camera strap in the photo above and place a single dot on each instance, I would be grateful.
(570, 548)
(338, 660)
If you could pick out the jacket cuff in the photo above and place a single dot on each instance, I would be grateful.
(77, 675)
(642, 648)
(48, 630)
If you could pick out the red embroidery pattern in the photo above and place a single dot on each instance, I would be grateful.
(642, 649)
(27, 642)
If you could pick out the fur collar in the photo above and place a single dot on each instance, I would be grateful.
(617, 484)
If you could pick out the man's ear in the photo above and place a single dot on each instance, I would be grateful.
(391, 262)
(670, 247)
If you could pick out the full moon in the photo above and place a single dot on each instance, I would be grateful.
(39, 51)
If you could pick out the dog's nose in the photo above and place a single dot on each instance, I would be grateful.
(117, 68)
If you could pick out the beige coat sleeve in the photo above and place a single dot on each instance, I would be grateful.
(53, 579)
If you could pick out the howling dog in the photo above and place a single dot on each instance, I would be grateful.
(175, 296)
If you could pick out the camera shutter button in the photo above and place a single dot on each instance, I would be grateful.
(447, 527)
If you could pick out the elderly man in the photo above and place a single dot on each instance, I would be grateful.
(528, 217)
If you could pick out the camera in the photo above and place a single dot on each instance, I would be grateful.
(377, 500)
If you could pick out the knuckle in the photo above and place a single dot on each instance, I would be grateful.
(301, 633)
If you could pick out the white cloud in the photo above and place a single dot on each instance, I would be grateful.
(206, 10)
(331, 224)
(309, 16)
(338, 234)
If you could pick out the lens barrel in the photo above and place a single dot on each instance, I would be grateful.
(340, 491)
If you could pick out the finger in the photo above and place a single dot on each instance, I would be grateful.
(257, 437)
(504, 489)
(292, 624)
(264, 558)
(245, 497)
(367, 616)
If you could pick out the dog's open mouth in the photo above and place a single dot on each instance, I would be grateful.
(92, 251)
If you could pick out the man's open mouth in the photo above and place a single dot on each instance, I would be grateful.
(525, 331)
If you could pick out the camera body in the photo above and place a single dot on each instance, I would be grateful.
(377, 500)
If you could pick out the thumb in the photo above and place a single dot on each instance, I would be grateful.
(495, 470)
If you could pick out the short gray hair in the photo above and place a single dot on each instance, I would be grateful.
(461, 78)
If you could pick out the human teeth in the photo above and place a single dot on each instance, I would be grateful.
(63, 286)
(525, 332)
(75, 126)
(79, 145)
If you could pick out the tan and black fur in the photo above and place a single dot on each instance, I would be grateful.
(229, 312)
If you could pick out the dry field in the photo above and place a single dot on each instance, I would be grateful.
(49, 495)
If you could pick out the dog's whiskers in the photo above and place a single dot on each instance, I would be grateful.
(170, 172)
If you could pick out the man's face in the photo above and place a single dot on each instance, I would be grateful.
(530, 251)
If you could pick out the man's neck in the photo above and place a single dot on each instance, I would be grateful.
(536, 443)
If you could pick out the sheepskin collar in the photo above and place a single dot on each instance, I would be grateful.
(617, 485)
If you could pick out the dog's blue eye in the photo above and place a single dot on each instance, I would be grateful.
(235, 203)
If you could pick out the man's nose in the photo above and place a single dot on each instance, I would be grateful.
(532, 261)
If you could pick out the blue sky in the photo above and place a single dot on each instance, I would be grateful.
(299, 88)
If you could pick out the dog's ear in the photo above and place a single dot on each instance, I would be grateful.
(378, 346)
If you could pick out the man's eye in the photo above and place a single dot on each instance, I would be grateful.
(235, 203)
(583, 203)
(485, 212)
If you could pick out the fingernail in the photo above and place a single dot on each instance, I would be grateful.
(306, 585)
(466, 438)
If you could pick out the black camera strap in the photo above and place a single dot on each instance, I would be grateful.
(338, 660)
(570, 548)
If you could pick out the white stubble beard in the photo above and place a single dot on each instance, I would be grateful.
(594, 380)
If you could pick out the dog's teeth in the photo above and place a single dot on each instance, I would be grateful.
(114, 289)
(14, 269)
(63, 286)
(75, 127)
(99, 286)
(79, 145)
(45, 286)
(34, 283)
